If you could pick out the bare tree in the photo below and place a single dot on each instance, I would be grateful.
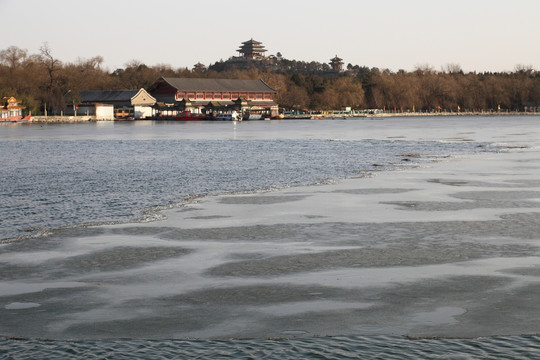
(295, 97)
(14, 58)
(453, 68)
(52, 66)
(524, 69)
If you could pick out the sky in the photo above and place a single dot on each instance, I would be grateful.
(477, 35)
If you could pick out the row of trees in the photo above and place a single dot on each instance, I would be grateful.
(425, 89)
(44, 82)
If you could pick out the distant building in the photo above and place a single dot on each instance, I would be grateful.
(251, 55)
(336, 63)
(252, 49)
(198, 67)
(174, 95)
(10, 109)
(113, 104)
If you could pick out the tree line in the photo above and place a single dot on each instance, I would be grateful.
(45, 83)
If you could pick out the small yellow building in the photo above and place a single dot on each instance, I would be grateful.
(11, 109)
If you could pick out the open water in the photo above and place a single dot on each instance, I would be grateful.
(54, 180)
(69, 176)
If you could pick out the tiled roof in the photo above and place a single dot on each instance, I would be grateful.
(219, 85)
(107, 96)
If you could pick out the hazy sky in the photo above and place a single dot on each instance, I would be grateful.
(479, 35)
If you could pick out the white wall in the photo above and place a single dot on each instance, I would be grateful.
(141, 112)
(104, 112)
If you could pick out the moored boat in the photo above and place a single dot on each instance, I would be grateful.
(228, 117)
(16, 118)
(189, 116)
(182, 116)
(249, 116)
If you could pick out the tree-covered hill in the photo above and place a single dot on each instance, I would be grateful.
(41, 80)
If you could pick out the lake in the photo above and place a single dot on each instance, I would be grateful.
(390, 238)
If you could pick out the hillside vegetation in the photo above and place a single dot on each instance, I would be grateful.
(41, 80)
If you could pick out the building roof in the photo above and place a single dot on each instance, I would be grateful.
(112, 96)
(219, 85)
(107, 95)
(11, 103)
(251, 41)
(336, 59)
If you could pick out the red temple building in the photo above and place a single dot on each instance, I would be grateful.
(204, 95)
(336, 63)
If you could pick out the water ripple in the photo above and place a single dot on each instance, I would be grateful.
(54, 183)
(341, 347)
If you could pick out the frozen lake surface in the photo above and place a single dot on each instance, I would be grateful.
(360, 229)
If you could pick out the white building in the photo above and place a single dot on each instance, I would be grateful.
(113, 104)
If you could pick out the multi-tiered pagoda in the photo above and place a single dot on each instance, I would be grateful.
(336, 63)
(252, 49)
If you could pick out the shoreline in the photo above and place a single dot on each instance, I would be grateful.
(313, 116)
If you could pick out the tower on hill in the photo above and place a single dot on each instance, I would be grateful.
(252, 49)
(336, 63)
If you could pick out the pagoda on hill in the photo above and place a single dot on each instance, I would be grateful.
(252, 49)
(198, 67)
(336, 63)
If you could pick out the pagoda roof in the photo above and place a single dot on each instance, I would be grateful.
(251, 46)
(11, 103)
(247, 47)
(218, 85)
(336, 58)
(251, 41)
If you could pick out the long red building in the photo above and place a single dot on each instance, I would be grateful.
(253, 96)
